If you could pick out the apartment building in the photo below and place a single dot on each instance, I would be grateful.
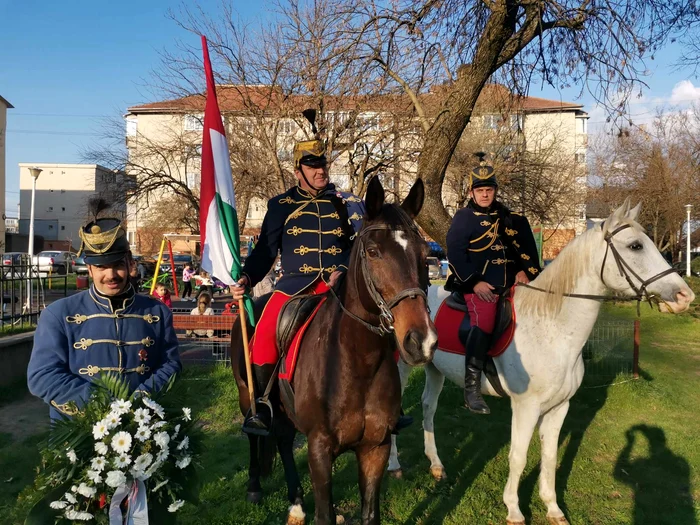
(4, 106)
(63, 192)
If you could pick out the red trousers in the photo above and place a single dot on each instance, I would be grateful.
(481, 313)
(263, 346)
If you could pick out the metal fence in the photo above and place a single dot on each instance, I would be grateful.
(24, 291)
(612, 350)
(207, 343)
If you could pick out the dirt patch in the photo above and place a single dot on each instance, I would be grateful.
(24, 418)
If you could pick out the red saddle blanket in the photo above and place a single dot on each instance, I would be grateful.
(448, 320)
(290, 359)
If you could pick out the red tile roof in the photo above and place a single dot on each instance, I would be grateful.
(237, 98)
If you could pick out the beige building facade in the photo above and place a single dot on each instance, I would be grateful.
(4, 106)
(175, 129)
(63, 192)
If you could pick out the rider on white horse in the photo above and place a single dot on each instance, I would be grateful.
(489, 248)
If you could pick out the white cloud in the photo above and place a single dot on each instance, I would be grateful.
(684, 92)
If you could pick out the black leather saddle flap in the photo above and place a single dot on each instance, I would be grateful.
(292, 316)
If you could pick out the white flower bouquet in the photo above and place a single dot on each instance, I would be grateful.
(121, 458)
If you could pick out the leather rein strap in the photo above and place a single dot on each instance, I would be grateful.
(386, 318)
(625, 270)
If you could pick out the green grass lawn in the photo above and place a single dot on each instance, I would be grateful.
(600, 479)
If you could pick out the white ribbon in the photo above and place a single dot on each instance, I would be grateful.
(137, 509)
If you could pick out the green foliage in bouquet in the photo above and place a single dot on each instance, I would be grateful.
(118, 442)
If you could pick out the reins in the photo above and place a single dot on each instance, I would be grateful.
(625, 270)
(386, 318)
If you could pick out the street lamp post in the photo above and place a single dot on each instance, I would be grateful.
(34, 172)
(688, 207)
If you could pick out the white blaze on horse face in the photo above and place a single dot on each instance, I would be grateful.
(429, 343)
(400, 237)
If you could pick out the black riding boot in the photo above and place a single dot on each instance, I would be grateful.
(403, 422)
(260, 423)
(477, 346)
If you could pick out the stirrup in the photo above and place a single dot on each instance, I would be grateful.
(255, 424)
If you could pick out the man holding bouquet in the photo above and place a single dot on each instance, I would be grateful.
(107, 328)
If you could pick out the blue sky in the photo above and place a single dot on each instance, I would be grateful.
(66, 65)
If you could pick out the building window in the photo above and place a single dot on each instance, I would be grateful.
(582, 126)
(368, 123)
(491, 121)
(63, 228)
(63, 208)
(131, 127)
(581, 158)
(50, 208)
(130, 236)
(192, 180)
(50, 226)
(287, 127)
(516, 122)
(194, 122)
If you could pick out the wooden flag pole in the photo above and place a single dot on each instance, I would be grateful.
(246, 353)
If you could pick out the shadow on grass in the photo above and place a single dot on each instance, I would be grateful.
(660, 481)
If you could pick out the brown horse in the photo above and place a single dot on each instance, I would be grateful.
(346, 384)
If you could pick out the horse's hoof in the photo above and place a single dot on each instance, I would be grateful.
(396, 474)
(561, 520)
(438, 473)
(253, 497)
(296, 515)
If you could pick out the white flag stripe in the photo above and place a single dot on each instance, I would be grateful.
(216, 254)
(222, 169)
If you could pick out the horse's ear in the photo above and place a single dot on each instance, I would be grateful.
(414, 202)
(617, 217)
(634, 212)
(374, 200)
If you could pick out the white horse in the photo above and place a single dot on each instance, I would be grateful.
(543, 367)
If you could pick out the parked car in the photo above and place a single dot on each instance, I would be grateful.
(55, 261)
(14, 264)
(436, 250)
(433, 268)
(180, 259)
(79, 266)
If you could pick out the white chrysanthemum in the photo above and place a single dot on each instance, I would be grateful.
(184, 443)
(162, 439)
(187, 414)
(159, 424)
(161, 484)
(138, 474)
(121, 442)
(70, 498)
(100, 430)
(86, 491)
(99, 463)
(176, 431)
(94, 476)
(154, 406)
(122, 461)
(143, 461)
(142, 416)
(58, 505)
(175, 506)
(101, 448)
(182, 463)
(71, 455)
(77, 515)
(115, 478)
(120, 406)
(142, 433)
(152, 469)
(113, 420)
(162, 455)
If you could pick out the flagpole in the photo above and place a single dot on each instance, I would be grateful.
(246, 353)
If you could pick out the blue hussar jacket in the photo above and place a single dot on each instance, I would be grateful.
(81, 336)
(309, 234)
(490, 245)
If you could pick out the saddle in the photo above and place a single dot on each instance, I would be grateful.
(504, 314)
(295, 312)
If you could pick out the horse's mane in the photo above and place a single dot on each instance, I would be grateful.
(560, 277)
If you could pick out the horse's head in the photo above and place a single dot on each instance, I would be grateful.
(632, 265)
(392, 257)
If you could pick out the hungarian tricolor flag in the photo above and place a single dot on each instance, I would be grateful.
(218, 221)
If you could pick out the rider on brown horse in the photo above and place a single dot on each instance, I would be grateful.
(489, 248)
(312, 226)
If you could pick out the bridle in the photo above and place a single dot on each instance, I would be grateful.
(626, 271)
(386, 318)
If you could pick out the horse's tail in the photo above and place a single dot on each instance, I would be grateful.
(267, 451)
